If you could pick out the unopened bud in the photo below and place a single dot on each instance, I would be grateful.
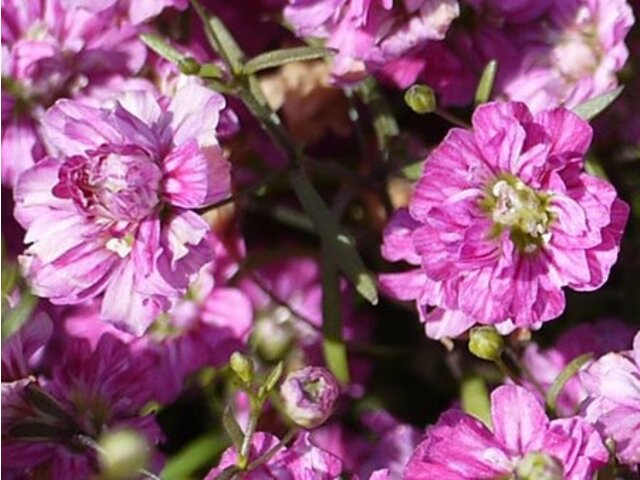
(242, 367)
(189, 66)
(309, 395)
(420, 99)
(486, 343)
(539, 466)
(123, 453)
(272, 339)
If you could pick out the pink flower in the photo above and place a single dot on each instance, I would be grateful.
(571, 56)
(522, 441)
(546, 364)
(309, 396)
(49, 52)
(371, 35)
(613, 403)
(92, 388)
(110, 213)
(300, 461)
(136, 11)
(503, 218)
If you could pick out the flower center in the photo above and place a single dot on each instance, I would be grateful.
(539, 466)
(525, 212)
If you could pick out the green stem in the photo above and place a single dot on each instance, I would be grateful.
(506, 371)
(269, 455)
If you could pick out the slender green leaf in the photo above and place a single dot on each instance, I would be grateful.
(271, 381)
(335, 350)
(475, 398)
(485, 85)
(561, 380)
(232, 428)
(339, 246)
(275, 58)
(36, 429)
(384, 122)
(162, 48)
(15, 317)
(210, 70)
(200, 453)
(46, 405)
(593, 107)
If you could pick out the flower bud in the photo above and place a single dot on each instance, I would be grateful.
(309, 395)
(539, 466)
(486, 343)
(272, 339)
(123, 453)
(420, 99)
(189, 66)
(242, 367)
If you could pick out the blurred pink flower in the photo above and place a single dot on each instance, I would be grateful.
(502, 218)
(372, 35)
(546, 364)
(135, 11)
(613, 403)
(522, 441)
(301, 460)
(110, 212)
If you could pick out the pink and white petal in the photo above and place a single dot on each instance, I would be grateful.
(195, 176)
(228, 308)
(441, 323)
(134, 130)
(517, 431)
(183, 231)
(570, 134)
(33, 194)
(195, 114)
(142, 10)
(403, 285)
(71, 128)
(398, 243)
(143, 105)
(21, 148)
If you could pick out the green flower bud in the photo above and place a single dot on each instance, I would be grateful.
(123, 453)
(539, 466)
(420, 99)
(189, 66)
(272, 339)
(486, 343)
(242, 367)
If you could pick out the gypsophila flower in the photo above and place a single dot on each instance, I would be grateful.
(502, 218)
(309, 396)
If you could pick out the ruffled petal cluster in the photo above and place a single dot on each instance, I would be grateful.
(502, 219)
(109, 213)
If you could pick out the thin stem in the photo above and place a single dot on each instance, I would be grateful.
(451, 118)
(506, 371)
(269, 455)
(243, 458)
(526, 372)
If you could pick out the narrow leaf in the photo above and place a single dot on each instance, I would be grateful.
(485, 85)
(335, 351)
(339, 246)
(593, 107)
(35, 429)
(562, 379)
(275, 58)
(15, 317)
(162, 48)
(220, 38)
(46, 405)
(384, 122)
(232, 428)
(196, 455)
(271, 381)
(475, 398)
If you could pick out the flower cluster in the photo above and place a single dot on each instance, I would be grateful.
(320, 239)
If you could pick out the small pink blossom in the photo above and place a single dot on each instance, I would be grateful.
(613, 403)
(461, 447)
(503, 218)
(136, 11)
(374, 34)
(301, 460)
(309, 396)
(109, 214)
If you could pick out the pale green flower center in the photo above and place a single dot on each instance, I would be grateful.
(522, 210)
(539, 466)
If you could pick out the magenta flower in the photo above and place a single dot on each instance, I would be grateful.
(503, 218)
(374, 35)
(92, 388)
(522, 441)
(49, 52)
(300, 461)
(598, 338)
(613, 403)
(109, 214)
